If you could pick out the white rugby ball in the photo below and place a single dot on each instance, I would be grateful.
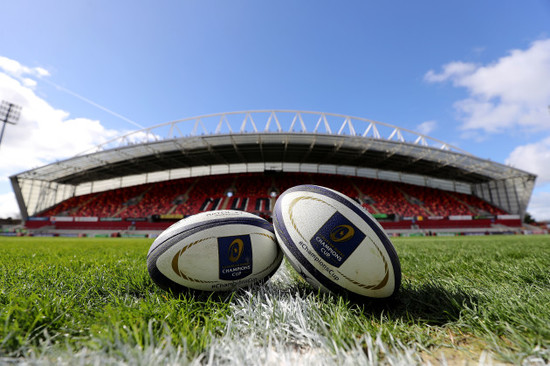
(334, 243)
(214, 251)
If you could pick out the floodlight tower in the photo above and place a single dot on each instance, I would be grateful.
(9, 113)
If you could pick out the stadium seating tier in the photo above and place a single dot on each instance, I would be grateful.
(257, 192)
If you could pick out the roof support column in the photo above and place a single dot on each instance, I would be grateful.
(19, 197)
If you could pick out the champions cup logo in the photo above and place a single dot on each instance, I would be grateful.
(235, 257)
(235, 250)
(342, 233)
(337, 239)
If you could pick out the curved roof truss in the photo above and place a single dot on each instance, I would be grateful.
(273, 121)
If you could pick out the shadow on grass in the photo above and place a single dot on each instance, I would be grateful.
(429, 303)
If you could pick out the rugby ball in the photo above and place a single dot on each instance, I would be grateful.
(335, 244)
(214, 251)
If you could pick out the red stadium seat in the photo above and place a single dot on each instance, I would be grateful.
(257, 192)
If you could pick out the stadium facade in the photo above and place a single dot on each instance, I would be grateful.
(273, 140)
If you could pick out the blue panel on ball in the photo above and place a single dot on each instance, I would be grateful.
(235, 257)
(337, 239)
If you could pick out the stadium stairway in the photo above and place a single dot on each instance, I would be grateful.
(370, 208)
(185, 198)
(83, 204)
(422, 209)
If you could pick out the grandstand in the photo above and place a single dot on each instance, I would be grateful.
(145, 180)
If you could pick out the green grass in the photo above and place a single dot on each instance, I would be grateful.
(461, 298)
(89, 291)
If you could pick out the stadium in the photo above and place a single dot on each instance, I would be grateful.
(84, 297)
(141, 182)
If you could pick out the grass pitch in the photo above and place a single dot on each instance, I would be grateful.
(91, 301)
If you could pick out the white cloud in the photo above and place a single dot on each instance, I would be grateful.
(426, 127)
(8, 206)
(534, 158)
(15, 69)
(510, 95)
(43, 133)
(538, 207)
(41, 72)
(453, 70)
(513, 92)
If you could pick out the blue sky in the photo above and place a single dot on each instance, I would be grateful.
(475, 74)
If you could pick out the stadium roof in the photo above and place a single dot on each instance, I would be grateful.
(278, 140)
